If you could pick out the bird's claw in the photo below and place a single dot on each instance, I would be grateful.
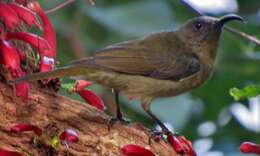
(113, 121)
(155, 135)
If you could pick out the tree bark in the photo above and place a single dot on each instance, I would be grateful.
(54, 113)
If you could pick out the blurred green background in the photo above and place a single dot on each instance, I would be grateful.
(208, 116)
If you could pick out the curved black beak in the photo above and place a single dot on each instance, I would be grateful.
(224, 19)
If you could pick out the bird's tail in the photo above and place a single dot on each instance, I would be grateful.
(60, 72)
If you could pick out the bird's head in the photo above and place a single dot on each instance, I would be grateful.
(204, 31)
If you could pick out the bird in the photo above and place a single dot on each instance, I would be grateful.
(161, 64)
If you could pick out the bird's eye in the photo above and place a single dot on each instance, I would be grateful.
(198, 26)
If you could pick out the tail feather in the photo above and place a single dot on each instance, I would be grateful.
(60, 72)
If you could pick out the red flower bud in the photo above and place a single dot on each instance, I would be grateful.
(250, 148)
(10, 56)
(4, 152)
(81, 84)
(135, 150)
(176, 145)
(69, 135)
(26, 15)
(19, 128)
(21, 89)
(92, 99)
(181, 145)
(9, 16)
(46, 64)
(34, 40)
(48, 32)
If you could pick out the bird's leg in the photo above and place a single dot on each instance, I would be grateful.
(155, 134)
(146, 107)
(165, 130)
(119, 116)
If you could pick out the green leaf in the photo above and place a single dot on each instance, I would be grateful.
(69, 87)
(247, 92)
(55, 142)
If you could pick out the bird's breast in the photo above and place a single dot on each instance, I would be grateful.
(141, 86)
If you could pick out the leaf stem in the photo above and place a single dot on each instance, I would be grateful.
(59, 6)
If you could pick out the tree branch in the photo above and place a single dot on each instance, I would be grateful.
(250, 38)
(65, 3)
(54, 113)
(59, 6)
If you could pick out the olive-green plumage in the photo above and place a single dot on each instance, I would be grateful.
(161, 64)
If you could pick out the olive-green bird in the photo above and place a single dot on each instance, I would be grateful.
(162, 64)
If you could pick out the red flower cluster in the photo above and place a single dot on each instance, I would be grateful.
(89, 96)
(12, 15)
(181, 145)
(250, 148)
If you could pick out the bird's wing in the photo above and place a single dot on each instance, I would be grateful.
(151, 56)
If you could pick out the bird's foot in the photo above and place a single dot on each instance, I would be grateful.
(115, 120)
(158, 135)
(155, 135)
(179, 143)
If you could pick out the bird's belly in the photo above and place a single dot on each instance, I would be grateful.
(141, 86)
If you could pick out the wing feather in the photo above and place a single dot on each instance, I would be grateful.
(155, 56)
